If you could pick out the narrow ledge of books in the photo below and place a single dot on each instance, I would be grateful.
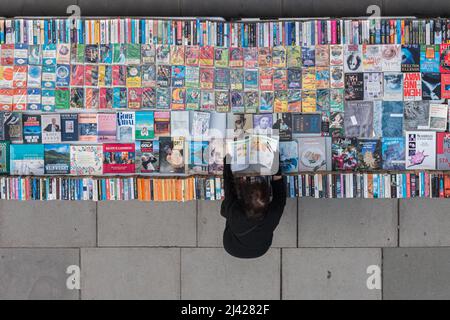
(146, 108)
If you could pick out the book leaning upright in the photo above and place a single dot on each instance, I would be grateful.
(254, 154)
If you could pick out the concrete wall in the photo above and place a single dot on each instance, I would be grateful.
(147, 250)
(226, 9)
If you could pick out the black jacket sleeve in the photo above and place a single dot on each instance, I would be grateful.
(278, 203)
(230, 190)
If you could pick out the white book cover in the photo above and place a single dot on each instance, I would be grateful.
(179, 123)
(420, 150)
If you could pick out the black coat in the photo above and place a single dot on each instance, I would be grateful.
(243, 237)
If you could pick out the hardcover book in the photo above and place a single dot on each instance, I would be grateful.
(31, 128)
(145, 125)
(4, 156)
(358, 119)
(106, 127)
(87, 127)
(125, 126)
(57, 158)
(27, 159)
(86, 160)
(119, 158)
(420, 150)
(314, 154)
(147, 156)
(443, 151)
(344, 153)
(289, 156)
(393, 153)
(369, 154)
(69, 127)
(171, 155)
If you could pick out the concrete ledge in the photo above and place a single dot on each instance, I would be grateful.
(210, 273)
(35, 274)
(47, 224)
(130, 273)
(328, 274)
(347, 223)
(137, 223)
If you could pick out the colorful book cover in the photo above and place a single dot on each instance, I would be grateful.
(312, 154)
(445, 86)
(265, 57)
(105, 53)
(322, 56)
(119, 157)
(163, 75)
(410, 58)
(106, 127)
(280, 79)
(148, 72)
(119, 98)
(308, 56)
(369, 154)
(27, 159)
(221, 79)
(62, 98)
(222, 100)
(295, 100)
(49, 54)
(420, 150)
(51, 128)
(391, 58)
(48, 100)
(49, 77)
(353, 60)
(119, 75)
(412, 86)
(7, 54)
(206, 56)
(392, 119)
(144, 125)
(147, 156)
(279, 57)
(443, 151)
(416, 115)
(294, 78)
(178, 76)
(393, 153)
(69, 127)
(193, 99)
(282, 122)
(162, 123)
(119, 51)
(34, 54)
(13, 127)
(236, 57)
(445, 58)
(216, 153)
(178, 99)
(20, 54)
(76, 98)
(336, 55)
(162, 54)
(192, 55)
(31, 128)
(57, 158)
(206, 78)
(322, 77)
(62, 75)
(429, 58)
(125, 126)
(431, 86)
(309, 101)
(337, 100)
(20, 76)
(76, 75)
(106, 98)
(344, 154)
(134, 98)
(250, 79)
(354, 86)
(336, 127)
(393, 86)
(237, 101)
(289, 156)
(4, 156)
(171, 155)
(372, 58)
(250, 57)
(207, 100)
(87, 127)
(91, 53)
(198, 157)
(133, 76)
(309, 78)
(337, 77)
(34, 99)
(221, 57)
(34, 76)
(262, 123)
(306, 124)
(265, 79)
(358, 119)
(322, 100)
(192, 77)
(86, 160)
(266, 101)
(63, 53)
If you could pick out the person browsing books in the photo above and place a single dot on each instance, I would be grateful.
(251, 215)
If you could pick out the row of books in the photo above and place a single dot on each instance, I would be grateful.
(332, 186)
(227, 34)
(419, 150)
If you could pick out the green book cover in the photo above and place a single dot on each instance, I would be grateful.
(4, 157)
(80, 53)
(133, 53)
(62, 98)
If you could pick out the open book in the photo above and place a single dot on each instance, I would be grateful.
(254, 154)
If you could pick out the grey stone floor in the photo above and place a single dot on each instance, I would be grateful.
(323, 249)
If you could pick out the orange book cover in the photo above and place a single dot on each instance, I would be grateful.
(447, 186)
(408, 185)
(370, 186)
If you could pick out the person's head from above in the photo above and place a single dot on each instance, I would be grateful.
(255, 198)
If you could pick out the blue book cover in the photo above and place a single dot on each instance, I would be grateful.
(62, 75)
(27, 159)
(144, 126)
(392, 119)
(57, 158)
(429, 58)
(69, 127)
(393, 153)
(31, 128)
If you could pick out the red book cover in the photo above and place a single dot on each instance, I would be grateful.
(445, 58)
(118, 158)
(445, 86)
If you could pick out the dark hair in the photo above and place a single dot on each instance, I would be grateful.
(255, 197)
